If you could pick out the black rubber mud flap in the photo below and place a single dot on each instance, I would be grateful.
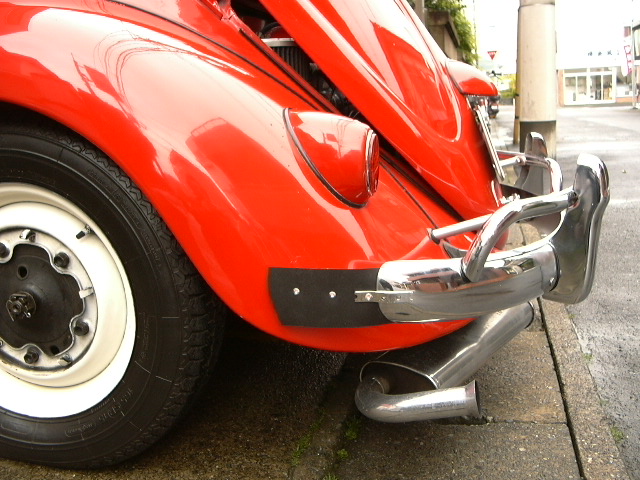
(324, 298)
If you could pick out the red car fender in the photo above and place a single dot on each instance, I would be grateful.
(201, 132)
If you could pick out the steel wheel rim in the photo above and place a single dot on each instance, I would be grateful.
(98, 365)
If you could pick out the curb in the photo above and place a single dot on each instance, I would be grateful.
(327, 436)
(596, 452)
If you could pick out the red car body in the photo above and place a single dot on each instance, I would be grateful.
(257, 171)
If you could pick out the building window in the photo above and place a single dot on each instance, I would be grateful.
(589, 87)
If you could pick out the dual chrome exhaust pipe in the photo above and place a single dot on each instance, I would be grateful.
(423, 382)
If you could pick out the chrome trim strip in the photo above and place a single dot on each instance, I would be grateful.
(280, 42)
(486, 136)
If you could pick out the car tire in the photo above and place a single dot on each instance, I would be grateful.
(107, 331)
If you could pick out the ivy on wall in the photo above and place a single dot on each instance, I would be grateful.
(462, 24)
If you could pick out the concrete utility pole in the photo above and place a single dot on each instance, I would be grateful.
(537, 83)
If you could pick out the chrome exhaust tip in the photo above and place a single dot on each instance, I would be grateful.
(422, 382)
(374, 401)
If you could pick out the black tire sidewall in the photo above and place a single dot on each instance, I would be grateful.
(132, 415)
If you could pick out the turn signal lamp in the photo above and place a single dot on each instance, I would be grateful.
(344, 153)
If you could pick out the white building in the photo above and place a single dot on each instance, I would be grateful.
(593, 45)
(594, 51)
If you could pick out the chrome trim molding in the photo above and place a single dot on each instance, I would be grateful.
(485, 132)
(280, 42)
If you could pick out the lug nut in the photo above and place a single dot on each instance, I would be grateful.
(81, 328)
(4, 250)
(31, 357)
(61, 260)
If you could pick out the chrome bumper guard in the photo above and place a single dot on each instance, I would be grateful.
(560, 267)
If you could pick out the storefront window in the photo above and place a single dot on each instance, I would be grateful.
(582, 89)
(570, 92)
(590, 86)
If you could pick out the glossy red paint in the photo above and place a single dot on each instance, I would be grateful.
(383, 59)
(470, 80)
(343, 152)
(196, 120)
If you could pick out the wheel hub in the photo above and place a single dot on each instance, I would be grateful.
(21, 306)
(83, 306)
(42, 326)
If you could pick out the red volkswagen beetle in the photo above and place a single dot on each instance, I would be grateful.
(317, 167)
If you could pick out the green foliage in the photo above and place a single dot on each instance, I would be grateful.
(509, 79)
(352, 429)
(463, 26)
(448, 5)
(303, 446)
(618, 435)
(305, 442)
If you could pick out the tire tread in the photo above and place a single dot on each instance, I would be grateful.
(204, 312)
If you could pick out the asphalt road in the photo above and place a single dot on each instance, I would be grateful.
(607, 322)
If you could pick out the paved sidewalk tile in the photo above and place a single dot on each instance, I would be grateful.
(429, 451)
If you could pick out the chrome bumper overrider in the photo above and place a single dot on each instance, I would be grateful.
(559, 267)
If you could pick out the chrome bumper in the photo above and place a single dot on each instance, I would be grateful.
(559, 267)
